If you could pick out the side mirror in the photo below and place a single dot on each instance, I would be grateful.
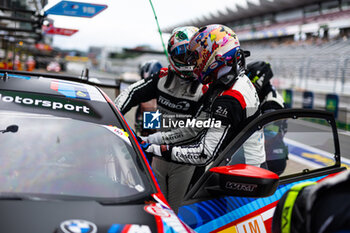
(244, 180)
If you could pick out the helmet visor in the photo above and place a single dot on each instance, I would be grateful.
(178, 54)
(191, 57)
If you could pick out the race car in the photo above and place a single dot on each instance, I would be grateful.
(71, 163)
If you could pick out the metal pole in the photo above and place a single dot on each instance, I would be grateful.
(346, 61)
(160, 32)
(307, 72)
(336, 77)
(14, 49)
(301, 73)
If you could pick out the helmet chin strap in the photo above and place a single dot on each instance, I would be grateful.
(180, 75)
(229, 73)
(229, 79)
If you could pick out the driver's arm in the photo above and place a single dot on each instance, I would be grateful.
(141, 91)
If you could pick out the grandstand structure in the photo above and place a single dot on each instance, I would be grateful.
(307, 43)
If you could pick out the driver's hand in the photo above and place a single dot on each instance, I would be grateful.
(159, 150)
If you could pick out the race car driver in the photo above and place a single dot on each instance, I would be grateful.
(215, 53)
(178, 95)
(260, 73)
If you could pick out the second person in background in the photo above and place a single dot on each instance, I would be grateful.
(260, 73)
(147, 69)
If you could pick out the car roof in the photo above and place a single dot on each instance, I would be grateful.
(40, 94)
(51, 86)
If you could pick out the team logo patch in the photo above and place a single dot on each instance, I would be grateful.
(78, 226)
(205, 88)
(163, 72)
(151, 120)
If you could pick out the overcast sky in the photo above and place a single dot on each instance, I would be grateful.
(130, 23)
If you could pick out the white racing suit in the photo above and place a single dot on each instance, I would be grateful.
(234, 107)
(177, 99)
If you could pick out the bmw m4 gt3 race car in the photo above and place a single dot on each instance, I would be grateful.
(70, 163)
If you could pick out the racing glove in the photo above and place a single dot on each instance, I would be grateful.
(163, 151)
(153, 149)
(144, 145)
(142, 140)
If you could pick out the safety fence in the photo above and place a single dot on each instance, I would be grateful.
(317, 68)
(311, 75)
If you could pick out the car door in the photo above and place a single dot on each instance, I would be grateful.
(307, 141)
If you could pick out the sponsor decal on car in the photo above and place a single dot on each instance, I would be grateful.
(170, 221)
(77, 90)
(259, 223)
(252, 225)
(119, 132)
(69, 90)
(43, 102)
(78, 226)
(129, 228)
(156, 209)
(241, 186)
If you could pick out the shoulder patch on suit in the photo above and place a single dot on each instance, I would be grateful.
(237, 95)
(205, 88)
(163, 72)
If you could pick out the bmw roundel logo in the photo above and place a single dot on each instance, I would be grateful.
(78, 226)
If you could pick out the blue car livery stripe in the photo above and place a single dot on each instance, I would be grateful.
(203, 218)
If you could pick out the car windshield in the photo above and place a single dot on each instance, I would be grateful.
(42, 154)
